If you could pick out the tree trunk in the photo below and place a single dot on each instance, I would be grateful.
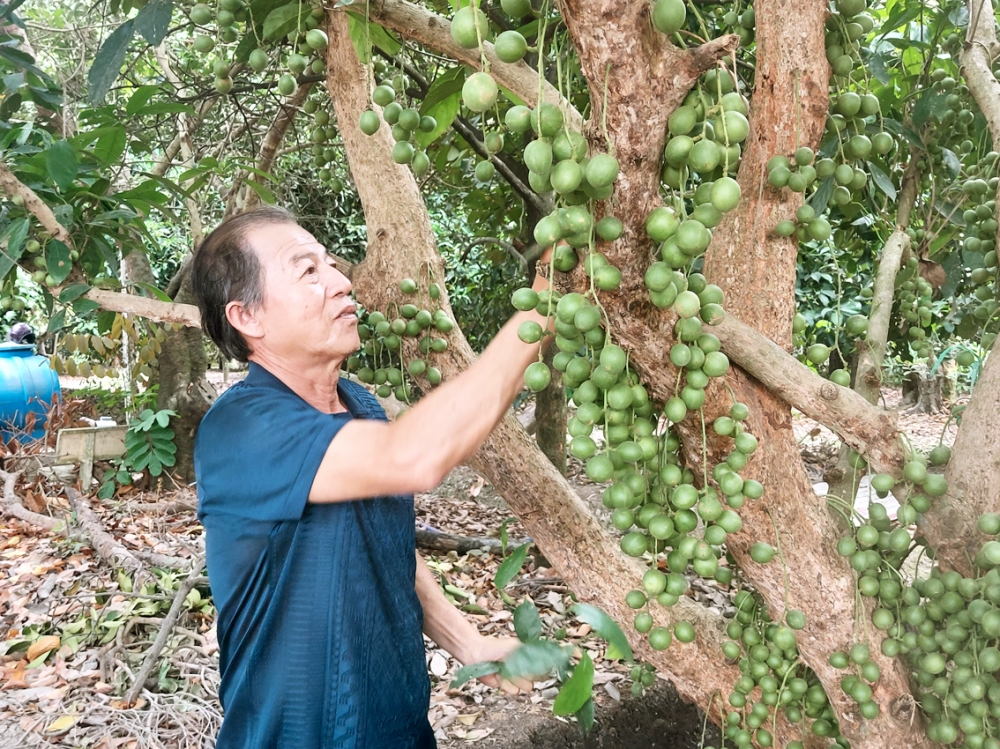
(184, 387)
(550, 417)
(922, 393)
(757, 272)
(973, 473)
(401, 243)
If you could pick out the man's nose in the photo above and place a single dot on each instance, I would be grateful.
(337, 283)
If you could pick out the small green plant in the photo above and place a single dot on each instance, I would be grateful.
(149, 446)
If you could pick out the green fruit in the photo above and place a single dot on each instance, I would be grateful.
(989, 523)
(402, 152)
(602, 170)
(660, 638)
(609, 228)
(538, 157)
(818, 353)
(203, 44)
(547, 120)
(669, 16)
(547, 231)
(286, 85)
(201, 14)
(464, 28)
(391, 112)
(737, 127)
(704, 157)
(485, 171)
(530, 331)
(939, 455)
(661, 223)
(479, 92)
(518, 119)
(537, 376)
(383, 95)
(841, 377)
(684, 631)
(516, 8)
(224, 85)
(316, 39)
(682, 120)
(510, 47)
(725, 194)
(524, 299)
(762, 552)
(566, 176)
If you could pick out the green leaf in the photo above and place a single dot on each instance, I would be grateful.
(83, 307)
(527, 623)
(163, 418)
(57, 321)
(503, 536)
(73, 291)
(882, 180)
(605, 626)
(577, 689)
(108, 61)
(168, 107)
(161, 295)
(444, 113)
(285, 19)
(138, 100)
(10, 8)
(15, 234)
(951, 163)
(821, 198)
(950, 211)
(266, 195)
(13, 81)
(107, 490)
(511, 566)
(110, 145)
(876, 63)
(536, 659)
(60, 160)
(585, 716)
(58, 262)
(474, 671)
(924, 107)
(359, 38)
(443, 87)
(154, 20)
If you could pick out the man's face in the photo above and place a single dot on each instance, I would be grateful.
(307, 314)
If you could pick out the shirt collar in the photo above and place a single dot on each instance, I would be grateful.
(258, 376)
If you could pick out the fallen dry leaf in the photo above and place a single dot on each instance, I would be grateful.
(477, 487)
(42, 645)
(123, 705)
(469, 718)
(59, 725)
(15, 678)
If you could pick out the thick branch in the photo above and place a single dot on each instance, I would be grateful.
(152, 309)
(272, 141)
(868, 429)
(434, 32)
(15, 188)
(14, 508)
(103, 542)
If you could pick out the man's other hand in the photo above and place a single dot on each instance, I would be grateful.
(497, 649)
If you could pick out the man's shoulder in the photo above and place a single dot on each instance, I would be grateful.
(244, 402)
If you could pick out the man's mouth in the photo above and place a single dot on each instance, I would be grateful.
(350, 313)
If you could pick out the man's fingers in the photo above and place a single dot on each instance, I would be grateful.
(490, 680)
(525, 685)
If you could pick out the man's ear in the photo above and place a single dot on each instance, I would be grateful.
(244, 320)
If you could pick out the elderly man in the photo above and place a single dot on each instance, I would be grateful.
(305, 492)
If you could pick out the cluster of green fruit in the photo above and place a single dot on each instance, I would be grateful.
(40, 275)
(653, 497)
(10, 295)
(404, 121)
(914, 299)
(324, 156)
(767, 655)
(307, 39)
(743, 24)
(381, 359)
(557, 158)
(470, 28)
(84, 345)
(845, 30)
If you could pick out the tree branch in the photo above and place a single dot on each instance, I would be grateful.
(35, 205)
(434, 31)
(869, 430)
(152, 309)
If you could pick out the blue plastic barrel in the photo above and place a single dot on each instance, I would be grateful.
(27, 385)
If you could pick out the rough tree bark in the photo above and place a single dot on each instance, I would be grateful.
(757, 272)
(973, 472)
(401, 242)
(550, 417)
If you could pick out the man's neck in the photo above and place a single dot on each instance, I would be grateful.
(316, 384)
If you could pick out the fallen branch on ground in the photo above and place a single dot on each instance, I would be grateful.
(163, 635)
(431, 538)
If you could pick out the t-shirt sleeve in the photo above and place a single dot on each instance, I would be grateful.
(257, 453)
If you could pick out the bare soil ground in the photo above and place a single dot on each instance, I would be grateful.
(74, 634)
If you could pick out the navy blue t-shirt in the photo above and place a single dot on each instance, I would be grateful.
(319, 624)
